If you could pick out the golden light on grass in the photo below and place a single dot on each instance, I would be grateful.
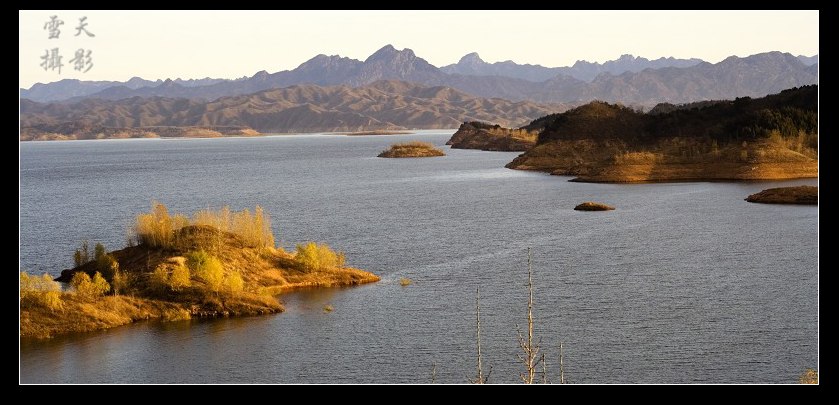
(412, 149)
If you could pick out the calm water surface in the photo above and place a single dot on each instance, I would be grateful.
(682, 283)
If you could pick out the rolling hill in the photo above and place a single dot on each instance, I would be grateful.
(301, 108)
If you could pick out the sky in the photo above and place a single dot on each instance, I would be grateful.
(231, 44)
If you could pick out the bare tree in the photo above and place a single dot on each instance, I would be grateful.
(561, 365)
(481, 379)
(531, 357)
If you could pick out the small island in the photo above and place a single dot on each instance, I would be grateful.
(593, 206)
(804, 195)
(214, 264)
(411, 150)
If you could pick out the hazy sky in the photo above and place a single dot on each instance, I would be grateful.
(231, 44)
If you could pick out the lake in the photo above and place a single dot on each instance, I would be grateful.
(682, 283)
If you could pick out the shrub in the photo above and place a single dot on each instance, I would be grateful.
(234, 283)
(313, 257)
(179, 277)
(87, 287)
(172, 275)
(196, 259)
(160, 278)
(207, 268)
(100, 285)
(40, 291)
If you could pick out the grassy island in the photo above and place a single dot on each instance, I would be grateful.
(217, 263)
(411, 149)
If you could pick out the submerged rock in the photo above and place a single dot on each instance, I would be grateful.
(593, 206)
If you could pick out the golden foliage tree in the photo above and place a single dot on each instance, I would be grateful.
(254, 229)
(155, 228)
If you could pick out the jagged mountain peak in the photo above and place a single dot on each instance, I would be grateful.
(471, 58)
(387, 52)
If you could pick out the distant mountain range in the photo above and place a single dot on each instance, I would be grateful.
(472, 64)
(302, 108)
(70, 88)
(628, 80)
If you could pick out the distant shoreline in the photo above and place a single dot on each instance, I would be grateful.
(147, 133)
(377, 132)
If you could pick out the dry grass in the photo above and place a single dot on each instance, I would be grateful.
(157, 228)
(81, 314)
(412, 149)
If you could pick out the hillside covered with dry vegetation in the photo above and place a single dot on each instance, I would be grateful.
(216, 263)
(774, 137)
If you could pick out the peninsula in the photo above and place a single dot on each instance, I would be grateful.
(769, 138)
(215, 264)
